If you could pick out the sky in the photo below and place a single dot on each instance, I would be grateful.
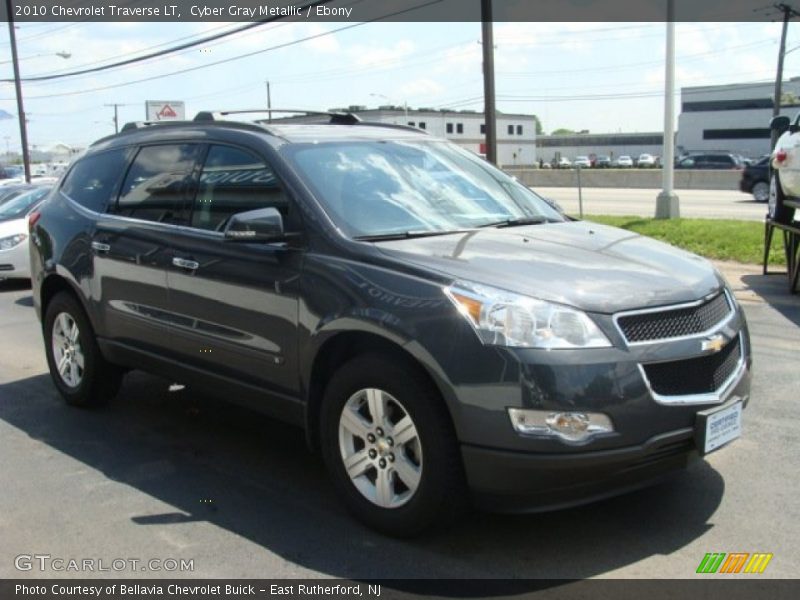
(601, 77)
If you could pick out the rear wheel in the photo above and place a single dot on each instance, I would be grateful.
(79, 371)
(777, 210)
(389, 447)
(761, 191)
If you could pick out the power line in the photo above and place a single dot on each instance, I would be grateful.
(168, 50)
(238, 57)
(166, 43)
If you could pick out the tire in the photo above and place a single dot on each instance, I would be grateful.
(399, 488)
(777, 210)
(760, 191)
(85, 379)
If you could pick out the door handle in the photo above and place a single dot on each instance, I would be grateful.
(184, 263)
(100, 247)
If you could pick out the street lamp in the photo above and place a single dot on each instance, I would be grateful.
(61, 54)
(23, 130)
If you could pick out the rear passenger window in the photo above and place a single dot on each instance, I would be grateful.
(93, 180)
(157, 182)
(234, 181)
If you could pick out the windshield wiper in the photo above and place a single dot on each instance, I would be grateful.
(515, 222)
(403, 235)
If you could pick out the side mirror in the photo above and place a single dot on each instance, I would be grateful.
(259, 225)
(780, 123)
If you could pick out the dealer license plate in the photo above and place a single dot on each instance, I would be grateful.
(717, 427)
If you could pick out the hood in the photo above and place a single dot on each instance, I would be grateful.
(593, 267)
(13, 227)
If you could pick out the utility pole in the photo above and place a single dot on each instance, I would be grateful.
(23, 130)
(490, 114)
(788, 13)
(269, 104)
(116, 115)
(667, 205)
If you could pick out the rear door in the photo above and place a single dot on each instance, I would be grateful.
(131, 244)
(236, 304)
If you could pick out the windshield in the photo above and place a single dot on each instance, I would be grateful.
(383, 187)
(16, 208)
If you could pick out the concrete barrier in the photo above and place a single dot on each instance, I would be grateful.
(685, 179)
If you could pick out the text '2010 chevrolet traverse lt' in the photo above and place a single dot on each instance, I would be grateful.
(444, 335)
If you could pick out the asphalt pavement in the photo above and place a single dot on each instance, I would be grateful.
(702, 204)
(164, 475)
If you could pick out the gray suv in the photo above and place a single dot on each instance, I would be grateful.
(443, 335)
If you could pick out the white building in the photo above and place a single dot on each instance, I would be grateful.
(732, 118)
(516, 133)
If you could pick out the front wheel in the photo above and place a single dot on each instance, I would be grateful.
(79, 371)
(389, 446)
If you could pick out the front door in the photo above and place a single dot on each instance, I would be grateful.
(235, 303)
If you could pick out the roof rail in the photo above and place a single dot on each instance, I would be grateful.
(394, 126)
(131, 125)
(336, 118)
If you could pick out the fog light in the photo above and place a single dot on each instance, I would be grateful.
(567, 426)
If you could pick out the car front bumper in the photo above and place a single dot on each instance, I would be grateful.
(15, 262)
(511, 481)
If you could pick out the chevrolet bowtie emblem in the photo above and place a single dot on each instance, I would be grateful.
(713, 344)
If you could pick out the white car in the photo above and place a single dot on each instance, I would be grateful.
(623, 162)
(784, 180)
(563, 163)
(582, 162)
(14, 257)
(646, 161)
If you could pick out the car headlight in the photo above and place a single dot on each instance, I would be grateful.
(507, 319)
(7, 243)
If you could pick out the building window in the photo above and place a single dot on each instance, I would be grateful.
(483, 128)
(411, 124)
(449, 128)
(422, 124)
(459, 128)
(510, 130)
(519, 129)
(755, 133)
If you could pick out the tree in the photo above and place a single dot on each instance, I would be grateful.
(538, 125)
(562, 131)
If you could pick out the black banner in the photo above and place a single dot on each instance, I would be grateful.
(387, 10)
(706, 588)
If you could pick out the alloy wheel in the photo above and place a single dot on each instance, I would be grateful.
(67, 351)
(380, 448)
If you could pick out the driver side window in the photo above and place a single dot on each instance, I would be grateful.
(234, 181)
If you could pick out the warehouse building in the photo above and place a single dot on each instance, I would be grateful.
(732, 118)
(613, 145)
(516, 133)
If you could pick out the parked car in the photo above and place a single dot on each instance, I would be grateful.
(563, 163)
(646, 161)
(14, 255)
(784, 184)
(9, 172)
(755, 180)
(8, 192)
(602, 162)
(623, 162)
(709, 161)
(442, 334)
(582, 162)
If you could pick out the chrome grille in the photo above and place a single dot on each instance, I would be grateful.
(649, 326)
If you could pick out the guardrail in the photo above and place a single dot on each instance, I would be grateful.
(685, 179)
